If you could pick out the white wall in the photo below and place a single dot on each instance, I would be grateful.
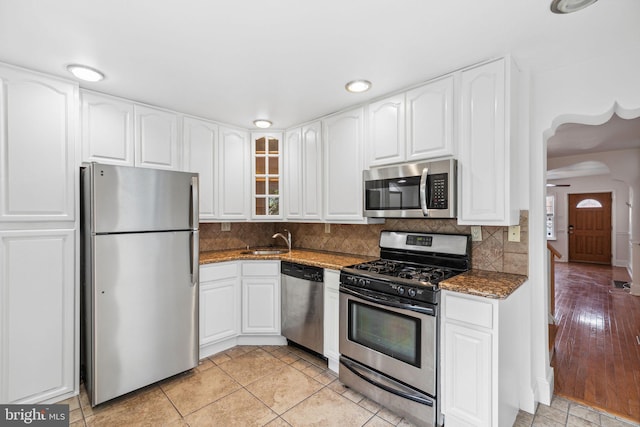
(624, 166)
(585, 92)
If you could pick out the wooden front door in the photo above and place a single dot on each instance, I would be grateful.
(590, 228)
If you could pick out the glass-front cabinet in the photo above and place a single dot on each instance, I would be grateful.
(267, 164)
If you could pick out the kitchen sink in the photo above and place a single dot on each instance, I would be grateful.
(264, 252)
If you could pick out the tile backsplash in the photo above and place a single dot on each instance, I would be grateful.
(494, 252)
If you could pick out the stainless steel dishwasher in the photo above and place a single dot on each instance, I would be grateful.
(302, 314)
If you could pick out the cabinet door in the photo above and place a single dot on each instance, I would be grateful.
(266, 151)
(467, 372)
(38, 358)
(303, 173)
(483, 161)
(293, 171)
(37, 147)
(107, 130)
(312, 171)
(386, 138)
(234, 174)
(430, 120)
(261, 305)
(219, 310)
(156, 138)
(200, 142)
(343, 166)
(331, 317)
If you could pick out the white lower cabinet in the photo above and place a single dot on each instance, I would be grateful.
(239, 305)
(481, 356)
(331, 318)
(38, 316)
(261, 297)
(219, 304)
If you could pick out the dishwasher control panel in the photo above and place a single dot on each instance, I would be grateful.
(300, 271)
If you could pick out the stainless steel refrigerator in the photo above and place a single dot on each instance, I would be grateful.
(140, 277)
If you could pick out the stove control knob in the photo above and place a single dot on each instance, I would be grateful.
(411, 292)
(362, 282)
(401, 290)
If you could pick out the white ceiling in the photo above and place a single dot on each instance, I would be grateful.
(288, 60)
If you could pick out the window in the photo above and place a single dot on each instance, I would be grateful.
(551, 220)
(589, 203)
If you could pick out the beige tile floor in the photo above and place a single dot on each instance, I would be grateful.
(274, 386)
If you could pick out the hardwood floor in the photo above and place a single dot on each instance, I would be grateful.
(597, 357)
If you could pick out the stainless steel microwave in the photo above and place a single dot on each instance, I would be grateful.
(415, 190)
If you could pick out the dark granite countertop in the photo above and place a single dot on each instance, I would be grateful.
(489, 284)
(331, 260)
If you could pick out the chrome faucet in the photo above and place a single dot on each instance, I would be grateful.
(286, 239)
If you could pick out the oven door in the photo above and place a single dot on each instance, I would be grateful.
(391, 336)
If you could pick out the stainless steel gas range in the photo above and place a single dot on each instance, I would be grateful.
(389, 321)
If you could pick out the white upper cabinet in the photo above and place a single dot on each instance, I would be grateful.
(386, 138)
(412, 126)
(156, 138)
(266, 149)
(343, 157)
(37, 147)
(200, 145)
(430, 120)
(303, 173)
(120, 132)
(487, 181)
(234, 198)
(107, 130)
(293, 170)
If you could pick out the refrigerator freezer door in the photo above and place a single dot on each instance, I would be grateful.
(127, 199)
(145, 311)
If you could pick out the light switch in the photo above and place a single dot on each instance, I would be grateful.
(514, 233)
(327, 228)
(225, 226)
(476, 233)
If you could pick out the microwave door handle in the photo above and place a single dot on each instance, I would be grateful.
(423, 191)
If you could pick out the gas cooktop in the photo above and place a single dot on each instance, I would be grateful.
(411, 264)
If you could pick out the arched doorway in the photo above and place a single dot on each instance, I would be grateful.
(587, 228)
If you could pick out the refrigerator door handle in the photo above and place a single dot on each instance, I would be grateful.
(195, 204)
(195, 257)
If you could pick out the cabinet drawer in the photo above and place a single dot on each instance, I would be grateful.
(469, 310)
(260, 268)
(223, 270)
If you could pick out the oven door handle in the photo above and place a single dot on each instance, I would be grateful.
(423, 191)
(391, 386)
(367, 297)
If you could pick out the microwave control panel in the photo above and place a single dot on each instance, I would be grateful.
(438, 185)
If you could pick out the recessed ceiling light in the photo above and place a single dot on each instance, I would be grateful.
(568, 6)
(262, 123)
(85, 73)
(357, 86)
